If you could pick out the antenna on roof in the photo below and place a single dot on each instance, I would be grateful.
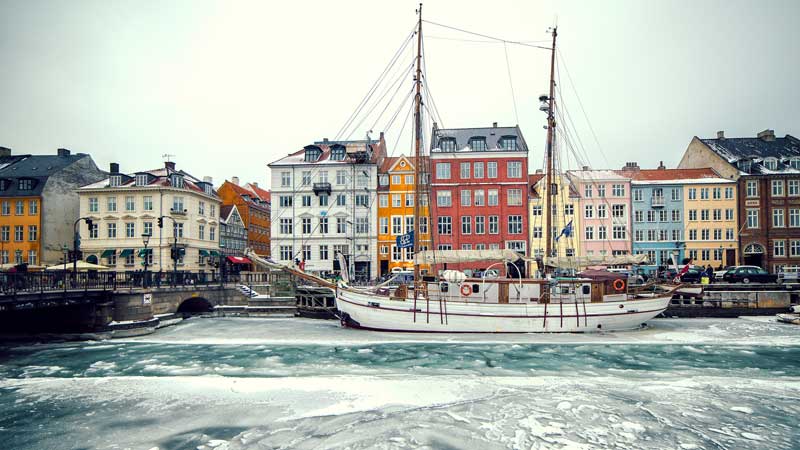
(167, 157)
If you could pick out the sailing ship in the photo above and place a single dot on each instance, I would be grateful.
(455, 303)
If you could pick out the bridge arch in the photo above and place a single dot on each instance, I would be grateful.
(195, 305)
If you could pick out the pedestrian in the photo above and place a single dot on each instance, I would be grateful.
(710, 273)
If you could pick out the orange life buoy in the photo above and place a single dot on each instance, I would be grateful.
(619, 285)
(465, 290)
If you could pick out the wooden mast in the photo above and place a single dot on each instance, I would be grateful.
(550, 166)
(418, 159)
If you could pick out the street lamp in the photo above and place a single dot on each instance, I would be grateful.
(221, 261)
(145, 239)
(76, 243)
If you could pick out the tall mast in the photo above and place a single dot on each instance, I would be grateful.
(551, 125)
(417, 153)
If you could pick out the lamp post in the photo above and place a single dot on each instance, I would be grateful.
(174, 252)
(221, 262)
(76, 243)
(145, 239)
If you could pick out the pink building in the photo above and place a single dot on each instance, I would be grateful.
(605, 209)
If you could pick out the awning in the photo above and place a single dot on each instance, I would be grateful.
(126, 252)
(145, 251)
(204, 252)
(239, 260)
(215, 254)
(108, 253)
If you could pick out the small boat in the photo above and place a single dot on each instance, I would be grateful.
(792, 317)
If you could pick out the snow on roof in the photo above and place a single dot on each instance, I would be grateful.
(596, 175)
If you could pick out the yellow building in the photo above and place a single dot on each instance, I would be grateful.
(710, 217)
(396, 214)
(565, 211)
(20, 230)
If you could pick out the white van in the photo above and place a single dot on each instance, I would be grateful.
(789, 274)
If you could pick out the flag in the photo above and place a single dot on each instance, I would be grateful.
(685, 268)
(566, 231)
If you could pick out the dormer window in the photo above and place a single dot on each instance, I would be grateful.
(477, 143)
(337, 152)
(771, 163)
(25, 184)
(4, 184)
(208, 189)
(508, 143)
(794, 163)
(141, 179)
(744, 165)
(383, 179)
(176, 180)
(447, 144)
(313, 153)
(115, 180)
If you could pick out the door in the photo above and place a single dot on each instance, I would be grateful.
(730, 257)
(597, 291)
(384, 267)
(753, 260)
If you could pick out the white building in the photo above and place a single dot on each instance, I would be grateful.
(124, 207)
(324, 202)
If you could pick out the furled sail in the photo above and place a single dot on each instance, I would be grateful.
(461, 256)
(594, 260)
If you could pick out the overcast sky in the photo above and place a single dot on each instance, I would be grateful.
(228, 87)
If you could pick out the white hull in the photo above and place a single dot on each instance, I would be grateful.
(369, 311)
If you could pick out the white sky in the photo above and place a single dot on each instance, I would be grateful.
(230, 86)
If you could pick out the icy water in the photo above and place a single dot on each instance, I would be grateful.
(228, 383)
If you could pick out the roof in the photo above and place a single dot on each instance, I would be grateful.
(262, 194)
(390, 161)
(492, 135)
(757, 149)
(36, 167)
(534, 179)
(352, 148)
(596, 175)
(674, 176)
(160, 177)
(225, 211)
(253, 199)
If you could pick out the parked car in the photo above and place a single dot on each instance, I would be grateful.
(789, 274)
(667, 274)
(693, 275)
(719, 274)
(749, 274)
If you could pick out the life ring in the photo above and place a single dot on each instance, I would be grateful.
(465, 290)
(619, 285)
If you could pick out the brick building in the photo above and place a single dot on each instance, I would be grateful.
(253, 205)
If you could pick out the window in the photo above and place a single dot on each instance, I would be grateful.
(445, 225)
(130, 230)
(341, 200)
(729, 214)
(286, 179)
(18, 233)
(794, 163)
(537, 232)
(443, 171)
(703, 193)
(637, 195)
(362, 225)
(397, 253)
(363, 200)
(771, 163)
(704, 234)
(423, 225)
(692, 215)
(752, 218)
(601, 233)
(383, 180)
(676, 235)
(286, 252)
(177, 204)
(212, 233)
(676, 194)
(717, 215)
(514, 224)
(692, 193)
(20, 208)
(31, 257)
(587, 191)
(794, 187)
(589, 233)
(493, 197)
(491, 169)
(508, 143)
(619, 232)
(286, 226)
(341, 177)
(111, 230)
(397, 225)
(601, 211)
(306, 177)
(397, 200)
(618, 190)
(477, 170)
(148, 228)
(728, 193)
(477, 143)
(777, 218)
(514, 197)
(588, 211)
(514, 169)
(465, 170)
(306, 200)
(201, 232)
(777, 188)
(794, 247)
(536, 210)
(305, 225)
(130, 204)
(692, 235)
(341, 225)
(323, 200)
(6, 208)
(447, 144)
(479, 200)
(338, 152)
(704, 215)
(395, 180)
(794, 217)
(717, 234)
(704, 254)
(466, 224)
(494, 224)
(716, 193)
(323, 225)
(147, 203)
(323, 252)
(480, 224)
(619, 211)
(111, 204)
(729, 234)
(601, 190)
(752, 188)
(383, 225)
(779, 248)
(383, 201)
(466, 198)
(443, 198)
(409, 179)
(33, 233)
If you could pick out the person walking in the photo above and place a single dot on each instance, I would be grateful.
(710, 273)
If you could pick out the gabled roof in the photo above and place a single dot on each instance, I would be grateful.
(756, 149)
(536, 178)
(596, 175)
(36, 167)
(262, 194)
(254, 198)
(491, 134)
(390, 164)
(160, 177)
(674, 176)
(352, 150)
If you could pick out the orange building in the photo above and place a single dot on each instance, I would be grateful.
(396, 214)
(253, 204)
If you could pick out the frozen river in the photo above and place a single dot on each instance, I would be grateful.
(228, 383)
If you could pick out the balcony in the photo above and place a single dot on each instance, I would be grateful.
(657, 202)
(322, 187)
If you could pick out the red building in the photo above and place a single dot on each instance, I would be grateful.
(479, 191)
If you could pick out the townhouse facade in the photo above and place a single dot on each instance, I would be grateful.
(479, 190)
(766, 170)
(605, 208)
(253, 205)
(38, 204)
(396, 188)
(324, 204)
(564, 214)
(125, 210)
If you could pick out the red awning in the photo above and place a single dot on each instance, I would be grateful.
(239, 260)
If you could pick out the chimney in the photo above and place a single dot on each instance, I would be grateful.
(380, 137)
(631, 167)
(494, 124)
(235, 180)
(254, 183)
(324, 140)
(767, 135)
(435, 126)
(721, 134)
(661, 165)
(113, 167)
(585, 168)
(538, 171)
(63, 152)
(169, 165)
(5, 151)
(207, 179)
